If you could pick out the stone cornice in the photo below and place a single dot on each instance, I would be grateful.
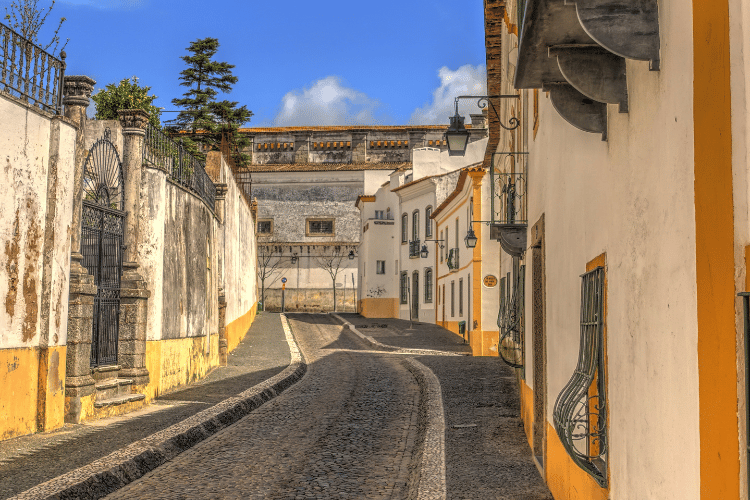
(134, 121)
(77, 90)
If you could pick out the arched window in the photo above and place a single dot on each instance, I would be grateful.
(415, 226)
(404, 228)
(427, 222)
(428, 285)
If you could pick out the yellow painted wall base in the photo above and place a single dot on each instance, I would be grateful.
(527, 411)
(176, 362)
(484, 343)
(565, 479)
(378, 308)
(87, 407)
(237, 329)
(26, 405)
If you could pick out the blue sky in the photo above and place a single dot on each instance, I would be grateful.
(325, 62)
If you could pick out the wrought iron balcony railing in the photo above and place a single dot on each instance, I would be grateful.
(414, 249)
(162, 152)
(453, 259)
(508, 203)
(29, 73)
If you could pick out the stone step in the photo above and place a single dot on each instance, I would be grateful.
(118, 400)
(101, 373)
(113, 387)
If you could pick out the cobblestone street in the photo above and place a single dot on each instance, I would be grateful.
(347, 430)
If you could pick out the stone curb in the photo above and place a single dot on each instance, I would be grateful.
(124, 466)
(406, 350)
(432, 484)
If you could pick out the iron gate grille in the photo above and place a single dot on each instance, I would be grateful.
(102, 230)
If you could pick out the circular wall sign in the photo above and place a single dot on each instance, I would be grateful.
(490, 281)
(283, 280)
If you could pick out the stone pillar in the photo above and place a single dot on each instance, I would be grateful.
(220, 203)
(301, 147)
(79, 385)
(359, 147)
(134, 294)
(223, 341)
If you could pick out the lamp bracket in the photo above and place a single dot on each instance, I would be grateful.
(483, 100)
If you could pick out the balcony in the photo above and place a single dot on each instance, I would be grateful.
(453, 259)
(414, 249)
(508, 205)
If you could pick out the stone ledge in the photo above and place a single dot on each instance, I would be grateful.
(124, 466)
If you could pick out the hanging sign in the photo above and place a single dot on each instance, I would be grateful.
(490, 281)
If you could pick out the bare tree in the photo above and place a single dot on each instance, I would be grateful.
(27, 18)
(269, 263)
(332, 265)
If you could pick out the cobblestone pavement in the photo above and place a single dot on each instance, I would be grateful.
(348, 429)
(487, 455)
(30, 460)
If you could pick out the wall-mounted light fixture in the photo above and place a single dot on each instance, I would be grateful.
(457, 136)
(351, 254)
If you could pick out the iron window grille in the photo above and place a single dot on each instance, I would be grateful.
(318, 227)
(461, 297)
(580, 413)
(29, 73)
(453, 259)
(404, 288)
(379, 214)
(510, 316)
(265, 227)
(404, 228)
(428, 285)
(414, 249)
(380, 267)
(428, 222)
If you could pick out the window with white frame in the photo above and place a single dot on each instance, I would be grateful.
(404, 228)
(428, 285)
(428, 222)
(415, 226)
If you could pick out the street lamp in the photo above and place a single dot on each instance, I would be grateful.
(471, 238)
(457, 136)
(351, 254)
(294, 258)
(424, 252)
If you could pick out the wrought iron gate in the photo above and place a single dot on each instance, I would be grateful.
(102, 229)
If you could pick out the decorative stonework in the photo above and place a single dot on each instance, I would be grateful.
(77, 90)
(134, 121)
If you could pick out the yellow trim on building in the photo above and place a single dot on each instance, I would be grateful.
(714, 248)
(378, 308)
(237, 329)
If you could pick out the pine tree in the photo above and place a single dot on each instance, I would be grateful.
(204, 119)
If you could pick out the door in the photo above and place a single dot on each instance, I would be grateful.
(102, 231)
(415, 296)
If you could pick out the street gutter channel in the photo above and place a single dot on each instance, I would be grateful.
(124, 466)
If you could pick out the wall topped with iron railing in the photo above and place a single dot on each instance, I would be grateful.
(161, 151)
(29, 73)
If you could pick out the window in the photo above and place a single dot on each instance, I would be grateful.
(453, 299)
(427, 222)
(404, 228)
(265, 226)
(415, 226)
(379, 214)
(442, 246)
(461, 297)
(428, 285)
(456, 246)
(380, 267)
(404, 288)
(580, 414)
(319, 227)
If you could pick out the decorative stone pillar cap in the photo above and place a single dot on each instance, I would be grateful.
(221, 191)
(77, 90)
(134, 121)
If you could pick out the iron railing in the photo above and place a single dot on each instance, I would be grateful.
(580, 413)
(163, 152)
(29, 73)
(508, 179)
(453, 259)
(510, 316)
(414, 249)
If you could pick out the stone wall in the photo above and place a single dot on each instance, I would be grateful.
(310, 300)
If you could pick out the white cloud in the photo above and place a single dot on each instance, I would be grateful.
(327, 102)
(466, 80)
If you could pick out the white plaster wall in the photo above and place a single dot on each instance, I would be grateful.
(633, 198)
(490, 263)
(432, 161)
(373, 179)
(381, 241)
(24, 153)
(151, 245)
(239, 252)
